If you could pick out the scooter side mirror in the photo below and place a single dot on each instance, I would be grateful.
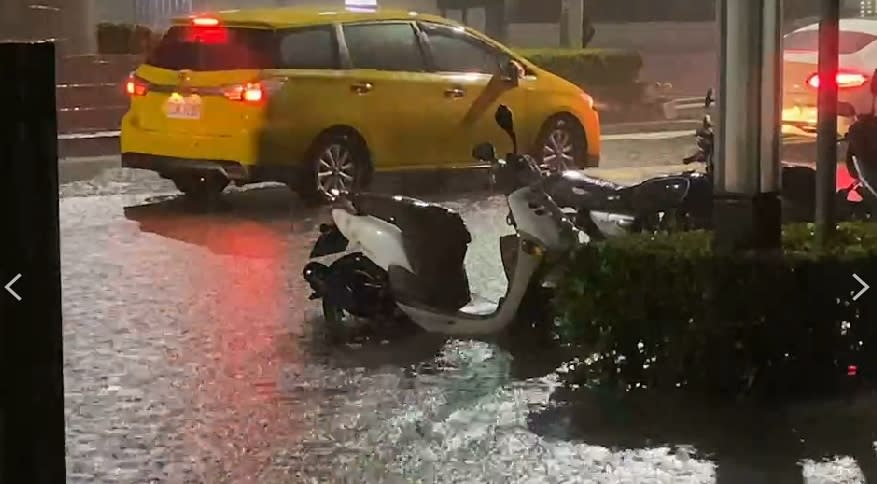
(873, 85)
(484, 152)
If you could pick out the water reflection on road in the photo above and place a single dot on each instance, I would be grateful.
(193, 355)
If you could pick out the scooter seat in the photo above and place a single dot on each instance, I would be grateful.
(415, 217)
(575, 189)
(435, 240)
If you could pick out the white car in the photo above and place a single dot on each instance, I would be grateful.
(858, 59)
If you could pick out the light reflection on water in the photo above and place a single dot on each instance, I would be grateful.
(198, 318)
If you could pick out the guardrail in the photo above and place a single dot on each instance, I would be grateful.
(683, 107)
(91, 102)
(89, 92)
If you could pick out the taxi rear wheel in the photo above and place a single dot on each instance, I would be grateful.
(336, 163)
(200, 186)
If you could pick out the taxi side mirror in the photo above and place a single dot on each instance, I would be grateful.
(510, 71)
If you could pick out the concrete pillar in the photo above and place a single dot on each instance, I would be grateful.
(575, 12)
(826, 123)
(747, 210)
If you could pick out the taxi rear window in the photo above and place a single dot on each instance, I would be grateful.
(215, 48)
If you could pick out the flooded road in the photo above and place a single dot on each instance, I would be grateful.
(192, 355)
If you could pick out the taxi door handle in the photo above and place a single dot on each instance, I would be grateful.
(454, 92)
(362, 87)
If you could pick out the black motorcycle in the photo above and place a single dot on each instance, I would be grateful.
(861, 163)
(683, 201)
(680, 201)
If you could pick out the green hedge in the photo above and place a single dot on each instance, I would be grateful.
(589, 67)
(125, 39)
(664, 311)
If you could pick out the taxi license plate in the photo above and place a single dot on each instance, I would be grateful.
(178, 107)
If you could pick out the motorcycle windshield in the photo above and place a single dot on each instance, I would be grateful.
(659, 194)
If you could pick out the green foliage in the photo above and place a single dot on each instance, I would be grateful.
(665, 311)
(589, 67)
(125, 39)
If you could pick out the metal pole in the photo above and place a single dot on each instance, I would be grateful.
(826, 135)
(747, 210)
(32, 393)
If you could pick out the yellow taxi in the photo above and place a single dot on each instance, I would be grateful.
(320, 100)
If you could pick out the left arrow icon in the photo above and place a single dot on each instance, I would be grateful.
(8, 287)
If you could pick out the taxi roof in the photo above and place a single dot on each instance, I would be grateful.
(281, 17)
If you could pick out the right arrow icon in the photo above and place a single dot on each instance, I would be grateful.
(864, 289)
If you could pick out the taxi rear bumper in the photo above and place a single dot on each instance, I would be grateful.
(170, 167)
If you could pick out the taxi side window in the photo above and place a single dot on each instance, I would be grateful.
(384, 46)
(453, 50)
(310, 48)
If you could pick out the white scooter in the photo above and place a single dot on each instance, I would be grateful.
(408, 255)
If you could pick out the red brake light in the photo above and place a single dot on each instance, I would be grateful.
(135, 86)
(252, 92)
(844, 79)
(205, 21)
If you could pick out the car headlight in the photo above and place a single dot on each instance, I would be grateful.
(589, 101)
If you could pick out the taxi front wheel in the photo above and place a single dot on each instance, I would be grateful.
(561, 145)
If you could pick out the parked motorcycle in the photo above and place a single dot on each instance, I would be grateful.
(408, 255)
(684, 201)
(861, 161)
(678, 201)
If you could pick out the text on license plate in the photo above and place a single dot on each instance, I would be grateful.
(178, 107)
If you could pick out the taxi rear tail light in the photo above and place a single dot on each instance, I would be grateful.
(844, 80)
(254, 92)
(251, 92)
(134, 86)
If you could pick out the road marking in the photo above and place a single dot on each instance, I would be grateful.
(649, 136)
(864, 289)
(94, 135)
(8, 287)
(692, 105)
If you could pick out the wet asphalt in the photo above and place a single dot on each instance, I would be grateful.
(193, 355)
